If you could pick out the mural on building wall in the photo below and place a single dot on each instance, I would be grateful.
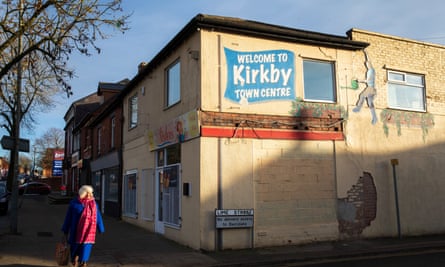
(400, 117)
(259, 76)
(300, 108)
(369, 92)
(357, 210)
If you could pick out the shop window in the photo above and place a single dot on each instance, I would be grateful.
(129, 194)
(133, 111)
(170, 181)
(96, 185)
(173, 85)
(111, 185)
(169, 178)
(319, 81)
(406, 91)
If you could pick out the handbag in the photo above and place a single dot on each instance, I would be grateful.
(62, 253)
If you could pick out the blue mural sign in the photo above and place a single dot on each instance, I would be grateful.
(260, 76)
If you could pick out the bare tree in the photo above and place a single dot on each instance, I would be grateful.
(25, 163)
(53, 138)
(37, 38)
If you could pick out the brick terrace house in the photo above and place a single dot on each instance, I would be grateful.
(242, 134)
(103, 148)
(89, 137)
(75, 115)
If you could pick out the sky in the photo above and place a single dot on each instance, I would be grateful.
(154, 23)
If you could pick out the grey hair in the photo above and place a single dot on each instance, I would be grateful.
(85, 189)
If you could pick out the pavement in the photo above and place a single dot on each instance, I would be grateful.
(124, 244)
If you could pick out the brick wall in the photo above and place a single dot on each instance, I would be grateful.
(359, 208)
(399, 54)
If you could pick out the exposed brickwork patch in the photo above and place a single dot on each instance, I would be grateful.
(359, 208)
(330, 121)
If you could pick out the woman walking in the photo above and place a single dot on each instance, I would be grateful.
(81, 222)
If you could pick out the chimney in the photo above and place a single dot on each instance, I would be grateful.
(141, 66)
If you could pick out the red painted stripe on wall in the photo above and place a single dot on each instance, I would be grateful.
(243, 132)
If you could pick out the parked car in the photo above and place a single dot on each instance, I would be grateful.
(23, 178)
(34, 188)
(4, 199)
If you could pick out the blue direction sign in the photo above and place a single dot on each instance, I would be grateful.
(8, 143)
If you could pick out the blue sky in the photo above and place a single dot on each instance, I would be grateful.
(154, 23)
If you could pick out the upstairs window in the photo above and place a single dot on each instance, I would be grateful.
(76, 142)
(173, 76)
(319, 81)
(113, 131)
(99, 140)
(133, 111)
(406, 91)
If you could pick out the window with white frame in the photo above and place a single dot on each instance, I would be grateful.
(169, 173)
(133, 111)
(319, 81)
(129, 190)
(406, 91)
(173, 77)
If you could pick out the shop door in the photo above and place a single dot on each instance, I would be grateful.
(159, 223)
(148, 194)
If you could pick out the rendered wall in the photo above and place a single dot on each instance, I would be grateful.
(152, 114)
(414, 138)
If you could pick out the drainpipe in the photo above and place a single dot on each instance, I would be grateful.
(219, 243)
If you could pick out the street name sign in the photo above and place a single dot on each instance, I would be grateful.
(234, 218)
(8, 143)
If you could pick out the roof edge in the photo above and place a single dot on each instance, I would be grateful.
(247, 27)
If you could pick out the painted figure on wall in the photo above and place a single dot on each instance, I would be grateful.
(369, 92)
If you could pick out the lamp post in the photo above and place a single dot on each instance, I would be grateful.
(33, 162)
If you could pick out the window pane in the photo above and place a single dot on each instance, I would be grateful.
(173, 85)
(318, 81)
(129, 191)
(111, 185)
(133, 112)
(171, 194)
(393, 76)
(406, 91)
(173, 154)
(414, 79)
(113, 129)
(405, 97)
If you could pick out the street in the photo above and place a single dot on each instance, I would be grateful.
(122, 243)
(433, 258)
(126, 244)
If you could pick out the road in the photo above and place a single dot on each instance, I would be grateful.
(432, 258)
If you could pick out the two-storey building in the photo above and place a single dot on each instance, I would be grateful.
(243, 134)
(93, 136)
(74, 117)
(236, 116)
(104, 149)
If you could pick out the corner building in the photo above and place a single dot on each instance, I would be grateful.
(241, 116)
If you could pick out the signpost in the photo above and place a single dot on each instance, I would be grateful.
(233, 219)
(8, 143)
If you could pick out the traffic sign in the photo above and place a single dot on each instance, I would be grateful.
(8, 143)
